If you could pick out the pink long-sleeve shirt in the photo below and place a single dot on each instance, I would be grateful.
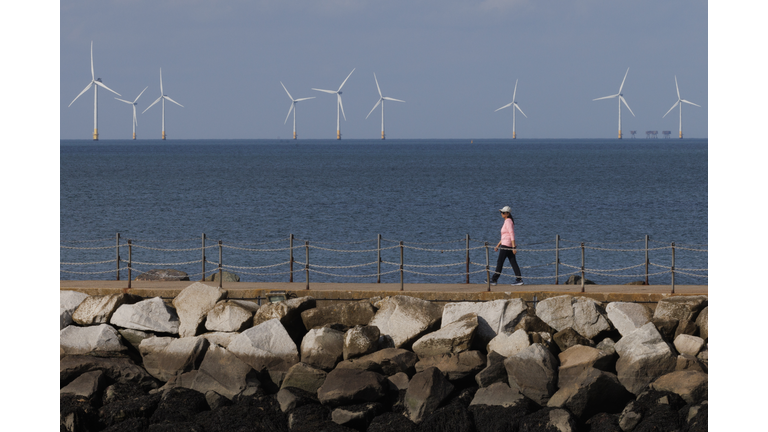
(507, 232)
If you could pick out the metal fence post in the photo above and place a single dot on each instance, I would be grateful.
(673, 267)
(290, 260)
(220, 275)
(487, 267)
(130, 263)
(401, 265)
(117, 249)
(467, 258)
(202, 278)
(582, 266)
(557, 259)
(647, 237)
(378, 259)
(306, 262)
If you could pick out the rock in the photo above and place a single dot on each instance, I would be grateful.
(652, 411)
(266, 346)
(140, 409)
(399, 381)
(351, 386)
(493, 357)
(388, 360)
(390, 422)
(576, 280)
(493, 317)
(454, 366)
(453, 417)
(697, 418)
(508, 344)
(569, 337)
(246, 414)
(133, 337)
(360, 340)
(179, 405)
(225, 277)
(534, 371)
(221, 372)
(532, 323)
(292, 397)
(557, 311)
(304, 377)
(117, 369)
(689, 362)
(702, 323)
(607, 346)
(426, 391)
(102, 338)
(548, 420)
(147, 315)
(687, 344)
(690, 385)
(99, 309)
(345, 314)
(163, 275)
(604, 422)
(86, 385)
(77, 414)
(686, 328)
(322, 348)
(287, 311)
(643, 357)
(495, 418)
(228, 316)
(579, 359)
(216, 401)
(312, 417)
(582, 314)
(68, 302)
(452, 338)
(498, 394)
(703, 355)
(680, 308)
(666, 327)
(403, 319)
(193, 304)
(222, 339)
(357, 416)
(591, 392)
(166, 357)
(628, 317)
(495, 373)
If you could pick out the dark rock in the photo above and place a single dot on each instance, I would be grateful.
(351, 386)
(389, 360)
(450, 418)
(179, 405)
(225, 277)
(131, 425)
(347, 315)
(548, 420)
(465, 396)
(532, 323)
(687, 327)
(593, 392)
(493, 358)
(163, 275)
(659, 418)
(357, 416)
(77, 414)
(455, 366)
(175, 427)
(576, 280)
(496, 373)
(254, 413)
(117, 369)
(119, 411)
(310, 417)
(121, 391)
(567, 338)
(649, 403)
(305, 377)
(215, 400)
(666, 327)
(292, 397)
(88, 385)
(392, 422)
(604, 422)
(426, 391)
(497, 418)
(695, 418)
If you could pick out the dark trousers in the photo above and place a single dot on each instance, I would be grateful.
(505, 254)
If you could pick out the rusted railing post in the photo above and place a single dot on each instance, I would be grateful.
(117, 249)
(290, 260)
(487, 267)
(401, 265)
(306, 263)
(220, 275)
(582, 267)
(673, 267)
(130, 263)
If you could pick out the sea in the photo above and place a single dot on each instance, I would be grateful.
(340, 209)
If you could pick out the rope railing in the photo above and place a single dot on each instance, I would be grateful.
(425, 260)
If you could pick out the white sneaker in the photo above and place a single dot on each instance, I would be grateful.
(492, 283)
(517, 283)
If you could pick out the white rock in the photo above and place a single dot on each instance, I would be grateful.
(68, 302)
(228, 316)
(687, 344)
(579, 313)
(83, 340)
(222, 339)
(99, 309)
(556, 311)
(147, 315)
(403, 318)
(322, 348)
(167, 357)
(493, 317)
(643, 357)
(508, 344)
(453, 338)
(266, 346)
(628, 317)
(193, 304)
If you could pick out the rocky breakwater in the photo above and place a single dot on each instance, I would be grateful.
(207, 363)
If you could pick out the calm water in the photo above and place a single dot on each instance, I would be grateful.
(253, 194)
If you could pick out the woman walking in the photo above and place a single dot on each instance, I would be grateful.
(508, 247)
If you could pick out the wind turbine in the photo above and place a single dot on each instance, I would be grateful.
(381, 101)
(339, 105)
(133, 105)
(162, 97)
(98, 83)
(681, 107)
(293, 108)
(514, 105)
(621, 99)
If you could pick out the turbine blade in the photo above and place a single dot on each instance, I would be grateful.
(153, 103)
(325, 91)
(166, 97)
(289, 113)
(605, 97)
(81, 93)
(622, 81)
(122, 100)
(345, 81)
(505, 106)
(286, 90)
(142, 92)
(392, 99)
(677, 88)
(303, 99)
(670, 110)
(689, 102)
(521, 111)
(514, 93)
(377, 84)
(374, 107)
(102, 85)
(625, 103)
(93, 76)
(341, 105)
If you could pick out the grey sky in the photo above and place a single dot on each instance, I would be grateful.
(453, 62)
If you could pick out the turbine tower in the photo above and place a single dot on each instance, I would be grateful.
(162, 97)
(679, 102)
(95, 83)
(339, 105)
(514, 105)
(621, 99)
(293, 108)
(133, 105)
(381, 101)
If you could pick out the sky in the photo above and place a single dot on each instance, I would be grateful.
(453, 62)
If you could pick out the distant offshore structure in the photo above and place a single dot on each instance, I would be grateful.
(95, 83)
(162, 98)
(133, 105)
(621, 99)
(680, 102)
(293, 108)
(381, 101)
(514, 105)
(339, 105)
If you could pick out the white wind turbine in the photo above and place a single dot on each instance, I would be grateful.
(679, 100)
(293, 108)
(339, 105)
(621, 99)
(133, 105)
(381, 101)
(96, 83)
(514, 105)
(162, 97)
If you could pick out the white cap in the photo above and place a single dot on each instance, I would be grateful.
(505, 209)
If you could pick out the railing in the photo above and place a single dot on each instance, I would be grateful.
(426, 261)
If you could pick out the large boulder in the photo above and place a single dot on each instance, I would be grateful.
(117, 369)
(628, 317)
(680, 308)
(592, 392)
(357, 417)
(579, 359)
(346, 315)
(322, 348)
(228, 316)
(403, 319)
(499, 394)
(351, 386)
(389, 361)
(580, 313)
(287, 311)
(305, 377)
(643, 357)
(509, 344)
(453, 338)
(68, 302)
(361, 340)
(193, 304)
(222, 339)
(222, 372)
(702, 323)
(493, 373)
(147, 315)
(691, 385)
(163, 275)
(102, 338)
(687, 344)
(266, 346)
(568, 338)
(99, 309)
(166, 357)
(455, 366)
(426, 391)
(534, 371)
(493, 317)
(86, 385)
